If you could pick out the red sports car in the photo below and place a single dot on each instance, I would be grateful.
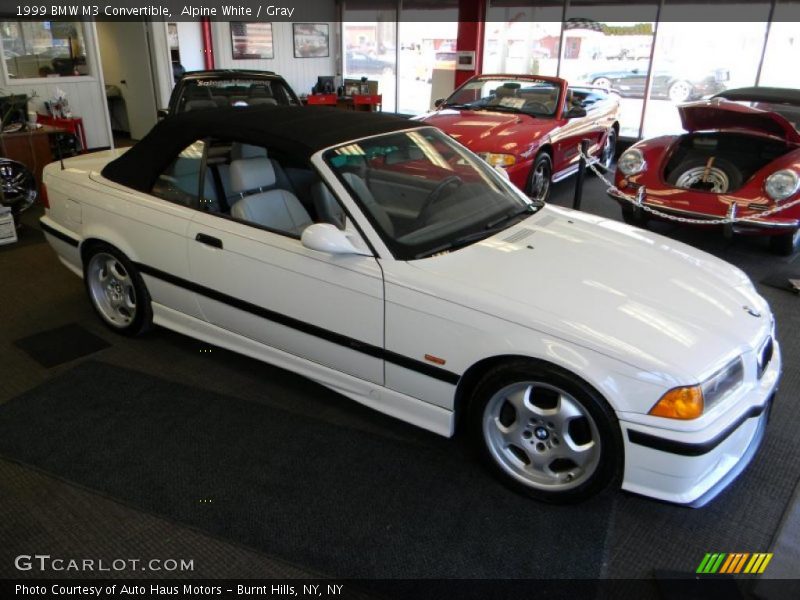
(740, 159)
(530, 125)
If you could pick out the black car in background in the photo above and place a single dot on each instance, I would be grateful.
(667, 83)
(228, 87)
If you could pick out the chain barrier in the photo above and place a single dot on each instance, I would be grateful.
(638, 202)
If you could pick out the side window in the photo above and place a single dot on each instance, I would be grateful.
(180, 181)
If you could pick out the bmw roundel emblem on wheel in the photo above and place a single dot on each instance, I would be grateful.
(410, 275)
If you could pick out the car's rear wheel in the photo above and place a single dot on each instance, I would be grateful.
(602, 82)
(545, 432)
(117, 291)
(784, 244)
(538, 187)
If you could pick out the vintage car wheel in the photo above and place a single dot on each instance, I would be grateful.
(117, 291)
(545, 432)
(680, 91)
(720, 177)
(784, 244)
(538, 187)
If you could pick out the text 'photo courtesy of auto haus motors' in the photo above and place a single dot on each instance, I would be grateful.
(385, 260)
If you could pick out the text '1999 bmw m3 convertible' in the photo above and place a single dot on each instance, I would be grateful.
(384, 260)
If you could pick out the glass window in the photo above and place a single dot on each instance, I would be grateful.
(782, 54)
(522, 39)
(427, 55)
(369, 36)
(424, 193)
(695, 60)
(180, 182)
(233, 91)
(34, 49)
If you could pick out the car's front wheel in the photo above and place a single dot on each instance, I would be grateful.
(538, 187)
(116, 290)
(545, 432)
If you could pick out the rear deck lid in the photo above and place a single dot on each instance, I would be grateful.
(719, 113)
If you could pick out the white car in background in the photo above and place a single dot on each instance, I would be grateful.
(384, 260)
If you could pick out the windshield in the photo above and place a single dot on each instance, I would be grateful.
(217, 93)
(424, 193)
(537, 97)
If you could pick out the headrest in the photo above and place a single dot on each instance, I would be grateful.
(239, 151)
(250, 174)
(197, 104)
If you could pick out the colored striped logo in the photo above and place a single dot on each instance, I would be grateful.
(736, 562)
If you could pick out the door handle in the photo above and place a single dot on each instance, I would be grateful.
(208, 240)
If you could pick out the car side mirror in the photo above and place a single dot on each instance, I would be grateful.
(575, 111)
(438, 102)
(161, 113)
(325, 237)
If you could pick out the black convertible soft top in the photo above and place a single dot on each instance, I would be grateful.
(762, 94)
(292, 130)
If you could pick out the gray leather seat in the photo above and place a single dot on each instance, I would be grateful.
(199, 104)
(368, 201)
(328, 209)
(276, 209)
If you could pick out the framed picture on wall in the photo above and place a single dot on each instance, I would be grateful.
(310, 40)
(251, 40)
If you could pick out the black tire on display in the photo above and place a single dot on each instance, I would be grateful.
(116, 290)
(784, 244)
(539, 179)
(545, 432)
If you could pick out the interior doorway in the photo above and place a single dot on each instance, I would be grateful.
(130, 87)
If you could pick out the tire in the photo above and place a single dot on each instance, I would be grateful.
(784, 244)
(630, 216)
(539, 178)
(680, 91)
(116, 290)
(570, 433)
(723, 176)
(609, 148)
(603, 82)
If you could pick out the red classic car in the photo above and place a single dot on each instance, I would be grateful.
(739, 158)
(530, 125)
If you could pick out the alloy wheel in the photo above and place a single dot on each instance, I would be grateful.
(112, 290)
(540, 435)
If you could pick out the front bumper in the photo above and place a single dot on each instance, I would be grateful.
(691, 468)
(744, 224)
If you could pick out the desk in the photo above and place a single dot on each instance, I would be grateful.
(31, 148)
(73, 125)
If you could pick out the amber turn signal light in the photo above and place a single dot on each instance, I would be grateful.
(680, 403)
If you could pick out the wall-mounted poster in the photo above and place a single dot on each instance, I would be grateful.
(251, 40)
(310, 40)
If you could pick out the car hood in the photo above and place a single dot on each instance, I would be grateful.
(723, 114)
(648, 301)
(490, 131)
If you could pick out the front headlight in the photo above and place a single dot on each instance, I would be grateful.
(631, 162)
(691, 401)
(498, 160)
(782, 184)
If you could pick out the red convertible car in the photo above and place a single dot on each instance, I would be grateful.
(530, 126)
(740, 158)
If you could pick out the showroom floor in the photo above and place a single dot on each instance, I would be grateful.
(165, 447)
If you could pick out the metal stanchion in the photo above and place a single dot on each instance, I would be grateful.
(576, 202)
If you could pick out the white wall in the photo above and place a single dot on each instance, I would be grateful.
(86, 95)
(301, 73)
(190, 44)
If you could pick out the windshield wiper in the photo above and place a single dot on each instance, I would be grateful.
(488, 230)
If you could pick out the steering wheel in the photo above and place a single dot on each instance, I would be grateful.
(436, 194)
(536, 106)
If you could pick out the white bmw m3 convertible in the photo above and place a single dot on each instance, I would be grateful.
(384, 260)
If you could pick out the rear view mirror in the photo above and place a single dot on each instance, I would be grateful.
(324, 237)
(575, 111)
